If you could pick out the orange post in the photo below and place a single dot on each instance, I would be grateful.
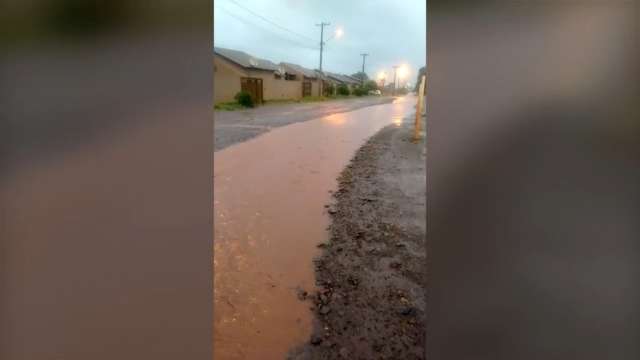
(419, 107)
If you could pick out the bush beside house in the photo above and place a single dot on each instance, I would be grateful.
(343, 90)
(244, 98)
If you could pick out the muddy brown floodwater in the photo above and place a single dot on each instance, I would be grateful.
(269, 197)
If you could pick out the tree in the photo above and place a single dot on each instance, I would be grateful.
(422, 71)
(343, 90)
(360, 75)
(370, 85)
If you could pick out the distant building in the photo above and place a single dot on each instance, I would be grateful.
(311, 81)
(236, 71)
(347, 80)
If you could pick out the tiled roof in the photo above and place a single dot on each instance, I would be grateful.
(345, 79)
(306, 72)
(245, 60)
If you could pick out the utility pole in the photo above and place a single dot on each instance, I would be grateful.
(395, 68)
(363, 57)
(322, 25)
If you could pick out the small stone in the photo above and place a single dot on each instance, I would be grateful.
(323, 299)
(324, 310)
(316, 340)
(344, 352)
(407, 311)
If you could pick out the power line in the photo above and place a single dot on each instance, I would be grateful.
(269, 21)
(245, 21)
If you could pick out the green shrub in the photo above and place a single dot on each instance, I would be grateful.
(328, 90)
(360, 91)
(244, 98)
(343, 90)
(370, 85)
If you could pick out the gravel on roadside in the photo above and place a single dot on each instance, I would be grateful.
(371, 275)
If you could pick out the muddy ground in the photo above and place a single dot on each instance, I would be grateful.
(231, 127)
(371, 275)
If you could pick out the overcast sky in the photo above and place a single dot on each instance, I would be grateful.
(391, 31)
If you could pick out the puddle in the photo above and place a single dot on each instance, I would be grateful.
(269, 214)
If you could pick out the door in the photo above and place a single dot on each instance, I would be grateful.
(306, 88)
(254, 87)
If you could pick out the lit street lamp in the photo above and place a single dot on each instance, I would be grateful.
(403, 72)
(381, 78)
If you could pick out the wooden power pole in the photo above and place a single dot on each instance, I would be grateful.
(362, 78)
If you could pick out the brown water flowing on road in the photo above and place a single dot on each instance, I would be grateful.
(269, 213)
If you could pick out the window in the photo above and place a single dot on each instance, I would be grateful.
(288, 76)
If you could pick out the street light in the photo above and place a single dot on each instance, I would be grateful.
(336, 34)
(381, 78)
(403, 71)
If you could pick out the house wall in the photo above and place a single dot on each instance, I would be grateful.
(278, 89)
(226, 80)
(227, 77)
(328, 83)
(315, 87)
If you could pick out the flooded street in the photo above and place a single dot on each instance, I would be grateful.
(269, 213)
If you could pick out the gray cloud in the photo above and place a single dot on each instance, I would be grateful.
(392, 32)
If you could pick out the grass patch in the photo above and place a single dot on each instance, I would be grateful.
(280, 101)
(228, 106)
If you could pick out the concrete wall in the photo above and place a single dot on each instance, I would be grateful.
(278, 89)
(226, 80)
(227, 77)
(315, 86)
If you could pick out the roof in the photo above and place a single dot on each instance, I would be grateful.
(334, 76)
(304, 71)
(245, 60)
(342, 78)
(353, 79)
(321, 74)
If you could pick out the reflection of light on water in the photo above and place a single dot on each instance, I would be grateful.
(397, 120)
(335, 119)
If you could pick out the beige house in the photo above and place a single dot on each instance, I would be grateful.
(236, 71)
(328, 84)
(339, 79)
(310, 80)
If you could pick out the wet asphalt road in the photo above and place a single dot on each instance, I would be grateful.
(237, 126)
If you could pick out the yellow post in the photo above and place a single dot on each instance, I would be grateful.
(419, 106)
